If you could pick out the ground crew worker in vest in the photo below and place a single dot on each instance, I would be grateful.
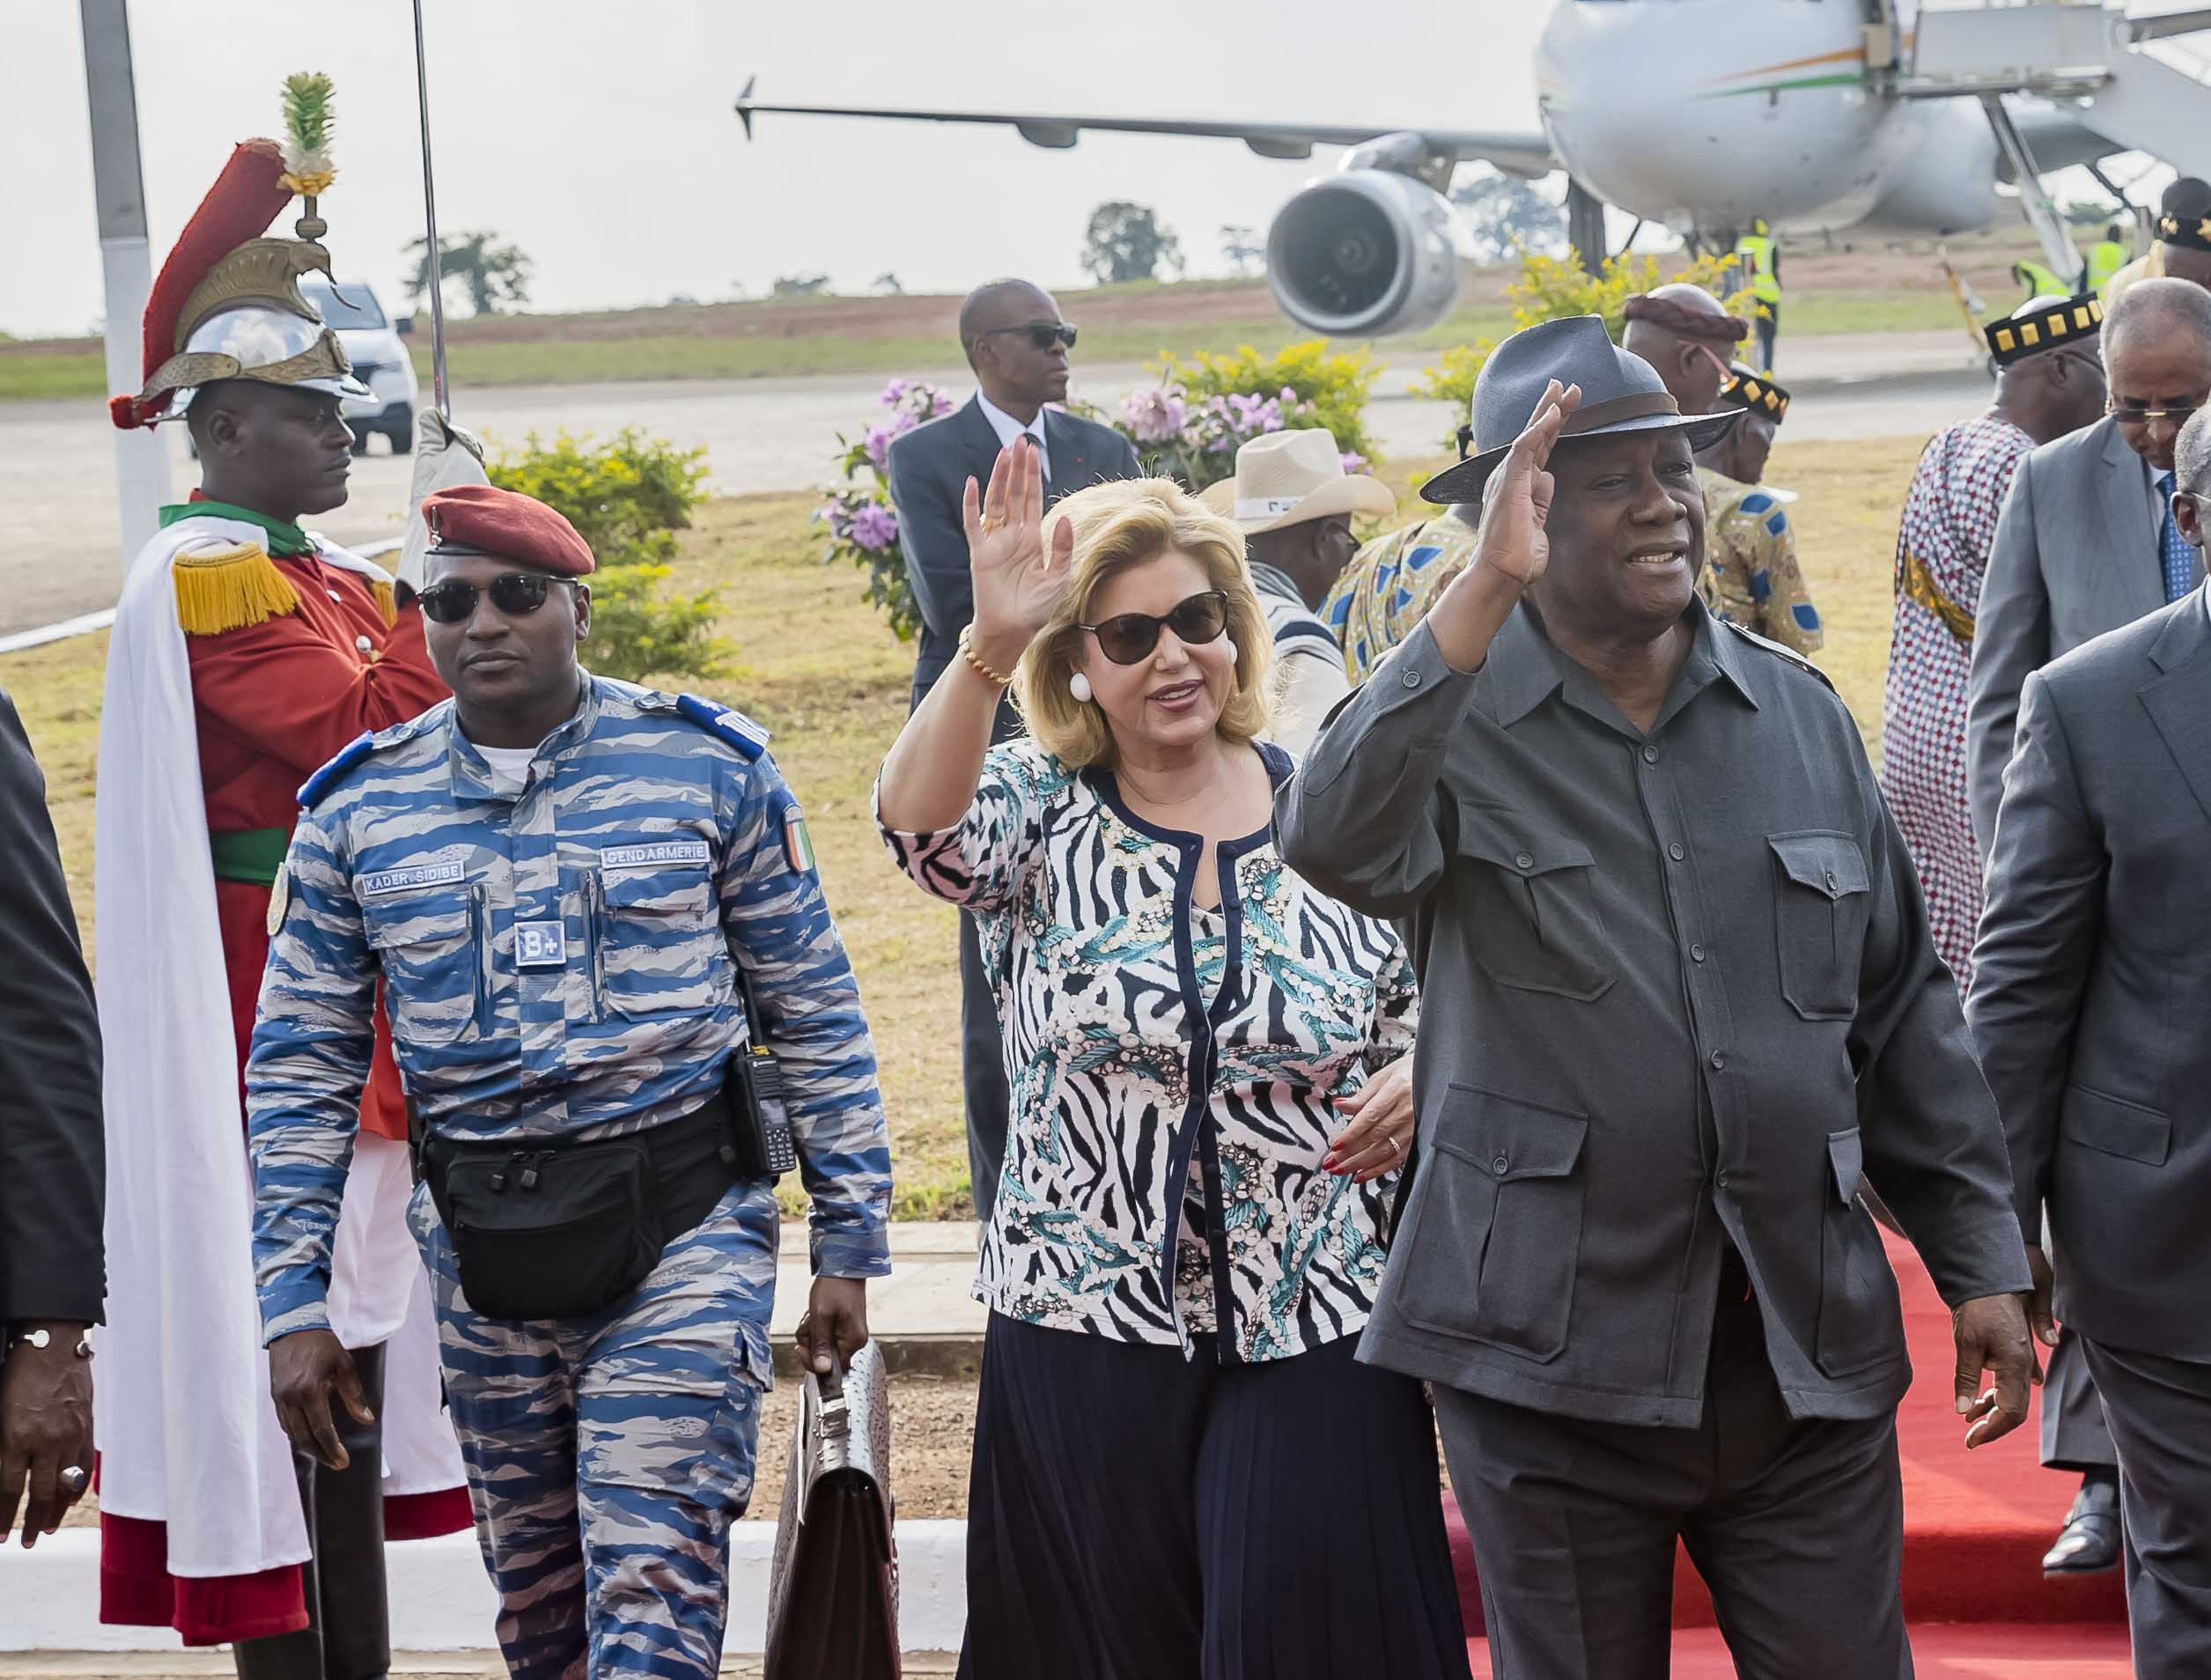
(2041, 281)
(2105, 258)
(1751, 576)
(1759, 259)
(594, 914)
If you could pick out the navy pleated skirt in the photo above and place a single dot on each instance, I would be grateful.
(1134, 1515)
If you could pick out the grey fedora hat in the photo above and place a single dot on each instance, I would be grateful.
(1619, 393)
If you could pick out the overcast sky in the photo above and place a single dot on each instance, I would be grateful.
(599, 138)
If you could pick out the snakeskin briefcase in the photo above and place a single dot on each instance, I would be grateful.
(833, 1593)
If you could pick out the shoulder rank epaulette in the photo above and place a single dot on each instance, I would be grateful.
(1787, 655)
(733, 727)
(230, 587)
(322, 781)
(353, 753)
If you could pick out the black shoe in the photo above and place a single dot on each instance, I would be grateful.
(2089, 1543)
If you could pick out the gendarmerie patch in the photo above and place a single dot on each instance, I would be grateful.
(656, 854)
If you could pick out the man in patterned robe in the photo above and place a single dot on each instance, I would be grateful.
(2046, 387)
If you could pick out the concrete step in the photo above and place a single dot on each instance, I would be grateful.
(442, 1605)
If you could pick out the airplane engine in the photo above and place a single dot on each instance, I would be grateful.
(1364, 251)
(1947, 183)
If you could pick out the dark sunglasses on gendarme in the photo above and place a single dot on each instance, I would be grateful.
(1127, 638)
(1043, 334)
(515, 594)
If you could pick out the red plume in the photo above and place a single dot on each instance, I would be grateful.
(244, 201)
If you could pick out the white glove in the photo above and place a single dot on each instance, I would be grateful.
(444, 455)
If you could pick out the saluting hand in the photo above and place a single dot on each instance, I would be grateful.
(1511, 541)
(1019, 577)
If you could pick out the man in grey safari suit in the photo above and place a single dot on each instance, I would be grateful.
(2091, 1005)
(1018, 344)
(1673, 1018)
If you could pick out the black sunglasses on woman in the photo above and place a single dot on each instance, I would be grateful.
(1128, 638)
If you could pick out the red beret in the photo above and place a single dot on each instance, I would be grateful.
(482, 518)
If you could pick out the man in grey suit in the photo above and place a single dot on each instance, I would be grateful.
(1673, 1017)
(2091, 991)
(1017, 343)
(2086, 543)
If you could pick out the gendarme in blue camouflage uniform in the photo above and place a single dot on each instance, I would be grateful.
(561, 965)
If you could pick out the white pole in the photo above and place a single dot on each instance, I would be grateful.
(142, 455)
(440, 392)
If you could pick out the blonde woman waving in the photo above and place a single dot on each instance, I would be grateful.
(1180, 1470)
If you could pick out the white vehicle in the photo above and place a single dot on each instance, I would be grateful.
(1701, 115)
(372, 344)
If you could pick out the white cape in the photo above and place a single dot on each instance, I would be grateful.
(188, 1435)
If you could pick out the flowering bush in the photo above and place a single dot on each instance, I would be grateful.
(1551, 288)
(1191, 423)
(627, 499)
(862, 524)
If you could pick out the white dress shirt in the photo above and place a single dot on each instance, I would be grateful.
(1008, 429)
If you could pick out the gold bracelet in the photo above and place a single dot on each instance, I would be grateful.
(967, 652)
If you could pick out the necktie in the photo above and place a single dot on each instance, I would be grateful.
(2174, 552)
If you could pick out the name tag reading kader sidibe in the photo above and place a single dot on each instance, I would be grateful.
(540, 945)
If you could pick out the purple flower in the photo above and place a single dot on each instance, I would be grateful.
(1154, 417)
(1353, 461)
(1289, 393)
(875, 528)
(892, 392)
(839, 518)
(878, 447)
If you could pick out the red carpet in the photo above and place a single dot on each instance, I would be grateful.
(2050, 1650)
(1975, 1527)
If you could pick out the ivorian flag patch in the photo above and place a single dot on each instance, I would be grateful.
(798, 844)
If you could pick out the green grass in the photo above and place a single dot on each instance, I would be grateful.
(799, 337)
(814, 663)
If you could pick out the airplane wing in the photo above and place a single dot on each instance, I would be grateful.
(1527, 154)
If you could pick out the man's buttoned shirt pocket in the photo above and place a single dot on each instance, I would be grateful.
(1530, 895)
(1499, 1194)
(429, 939)
(657, 940)
(1820, 910)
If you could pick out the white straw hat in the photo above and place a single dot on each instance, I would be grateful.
(1288, 477)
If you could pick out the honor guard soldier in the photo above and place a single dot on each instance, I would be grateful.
(1751, 576)
(572, 890)
(246, 650)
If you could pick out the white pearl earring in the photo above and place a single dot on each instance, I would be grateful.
(1079, 686)
(1231, 652)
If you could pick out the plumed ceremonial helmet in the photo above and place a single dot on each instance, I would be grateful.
(228, 305)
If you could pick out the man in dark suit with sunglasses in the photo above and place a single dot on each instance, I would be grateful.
(1018, 344)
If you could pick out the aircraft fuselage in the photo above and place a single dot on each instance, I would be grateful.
(1702, 114)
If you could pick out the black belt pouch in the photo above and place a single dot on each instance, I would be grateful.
(561, 1231)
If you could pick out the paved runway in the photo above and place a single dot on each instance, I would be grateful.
(57, 463)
